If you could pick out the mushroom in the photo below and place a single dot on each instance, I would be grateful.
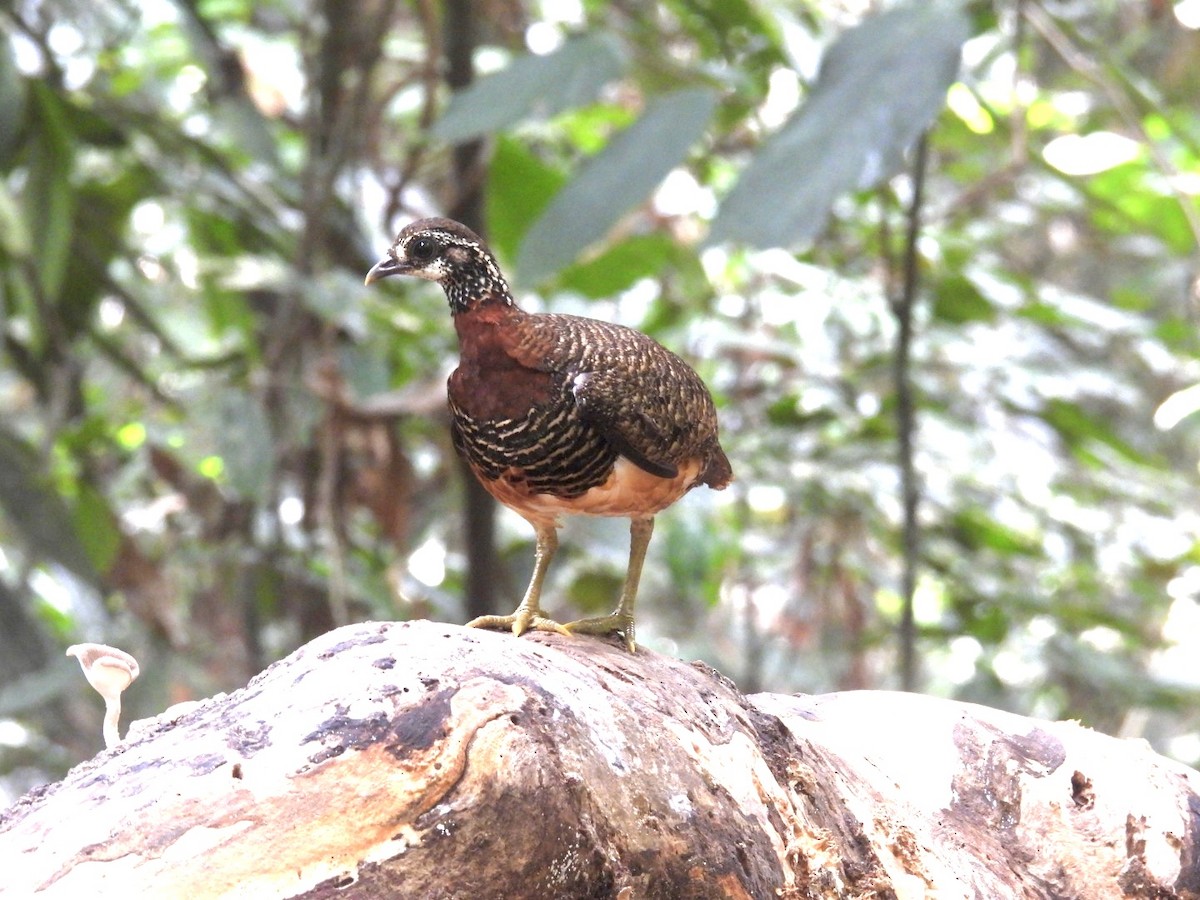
(109, 671)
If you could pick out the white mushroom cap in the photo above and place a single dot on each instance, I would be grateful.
(107, 669)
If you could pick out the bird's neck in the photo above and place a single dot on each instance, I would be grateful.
(467, 297)
(475, 282)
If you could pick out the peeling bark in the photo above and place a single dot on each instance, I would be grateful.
(421, 760)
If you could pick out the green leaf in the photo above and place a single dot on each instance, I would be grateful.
(1176, 332)
(787, 412)
(975, 530)
(1044, 314)
(532, 86)
(102, 211)
(1136, 200)
(587, 129)
(97, 527)
(614, 181)
(989, 624)
(14, 234)
(641, 256)
(519, 187)
(47, 194)
(12, 101)
(958, 301)
(39, 512)
(1078, 427)
(880, 86)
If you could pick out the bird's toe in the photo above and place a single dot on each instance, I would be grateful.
(519, 622)
(611, 624)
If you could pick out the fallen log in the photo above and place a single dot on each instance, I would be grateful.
(420, 760)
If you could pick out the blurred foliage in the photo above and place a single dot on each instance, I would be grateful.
(219, 444)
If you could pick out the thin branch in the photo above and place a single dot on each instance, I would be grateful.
(1018, 118)
(329, 507)
(902, 307)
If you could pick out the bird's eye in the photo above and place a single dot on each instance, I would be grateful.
(423, 249)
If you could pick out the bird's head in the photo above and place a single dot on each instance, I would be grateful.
(451, 254)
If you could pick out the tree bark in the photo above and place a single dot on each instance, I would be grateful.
(422, 760)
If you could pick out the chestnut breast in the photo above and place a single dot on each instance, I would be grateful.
(515, 420)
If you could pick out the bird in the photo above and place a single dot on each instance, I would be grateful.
(561, 415)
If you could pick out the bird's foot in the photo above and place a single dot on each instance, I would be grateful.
(522, 619)
(616, 622)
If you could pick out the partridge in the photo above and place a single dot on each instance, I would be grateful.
(562, 415)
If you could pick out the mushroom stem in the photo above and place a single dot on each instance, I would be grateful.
(112, 720)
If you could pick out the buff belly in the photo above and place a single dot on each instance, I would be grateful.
(628, 491)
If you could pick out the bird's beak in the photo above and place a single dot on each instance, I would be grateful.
(382, 269)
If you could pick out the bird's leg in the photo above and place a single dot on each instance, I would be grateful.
(528, 615)
(621, 619)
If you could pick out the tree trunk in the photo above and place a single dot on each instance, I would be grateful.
(422, 760)
(470, 166)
